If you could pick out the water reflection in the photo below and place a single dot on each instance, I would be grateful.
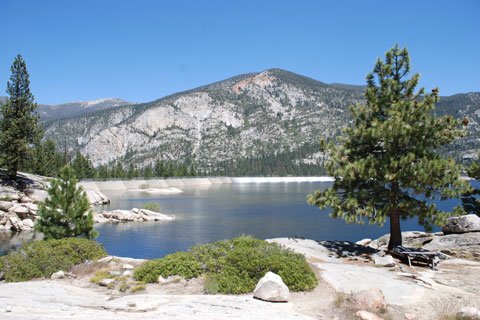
(10, 240)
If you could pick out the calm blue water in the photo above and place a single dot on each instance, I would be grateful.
(207, 214)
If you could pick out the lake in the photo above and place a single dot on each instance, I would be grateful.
(208, 213)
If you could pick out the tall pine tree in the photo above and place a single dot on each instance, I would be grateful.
(67, 213)
(19, 124)
(385, 164)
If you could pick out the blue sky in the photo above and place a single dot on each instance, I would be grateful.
(143, 50)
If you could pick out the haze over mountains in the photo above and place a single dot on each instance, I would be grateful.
(272, 118)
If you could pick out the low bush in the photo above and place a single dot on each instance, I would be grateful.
(233, 266)
(152, 206)
(180, 263)
(39, 259)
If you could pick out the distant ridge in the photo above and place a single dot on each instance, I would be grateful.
(259, 124)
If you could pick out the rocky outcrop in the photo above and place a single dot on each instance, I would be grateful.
(469, 241)
(271, 288)
(96, 198)
(462, 224)
(134, 215)
(19, 205)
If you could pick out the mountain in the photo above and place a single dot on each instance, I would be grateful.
(252, 122)
(72, 109)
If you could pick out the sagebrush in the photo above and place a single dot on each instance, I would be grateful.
(233, 266)
(39, 259)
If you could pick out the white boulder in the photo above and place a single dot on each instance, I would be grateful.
(106, 282)
(271, 288)
(462, 224)
(127, 266)
(364, 242)
(28, 223)
(5, 205)
(385, 261)
(37, 195)
(58, 275)
(468, 313)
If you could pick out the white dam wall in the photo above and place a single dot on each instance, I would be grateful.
(122, 185)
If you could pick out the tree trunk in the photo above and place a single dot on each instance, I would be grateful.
(395, 232)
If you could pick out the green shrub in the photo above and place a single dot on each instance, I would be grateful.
(233, 266)
(180, 263)
(42, 258)
(138, 288)
(144, 186)
(152, 206)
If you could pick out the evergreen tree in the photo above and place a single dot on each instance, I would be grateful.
(79, 165)
(131, 171)
(67, 213)
(48, 161)
(385, 164)
(18, 124)
(159, 169)
(147, 172)
(192, 172)
(118, 171)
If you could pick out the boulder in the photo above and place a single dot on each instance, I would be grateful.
(36, 195)
(371, 299)
(96, 198)
(9, 196)
(25, 200)
(19, 209)
(385, 261)
(271, 288)
(127, 266)
(58, 275)
(27, 223)
(409, 239)
(465, 241)
(365, 315)
(5, 205)
(31, 206)
(364, 242)
(16, 224)
(106, 282)
(468, 313)
(462, 224)
(156, 216)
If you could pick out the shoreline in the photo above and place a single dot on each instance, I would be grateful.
(166, 183)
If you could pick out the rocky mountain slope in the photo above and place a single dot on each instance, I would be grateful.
(251, 117)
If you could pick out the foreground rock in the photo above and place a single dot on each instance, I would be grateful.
(271, 288)
(134, 215)
(59, 300)
(371, 299)
(462, 224)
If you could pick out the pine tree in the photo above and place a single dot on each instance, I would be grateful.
(67, 213)
(131, 171)
(18, 124)
(385, 163)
